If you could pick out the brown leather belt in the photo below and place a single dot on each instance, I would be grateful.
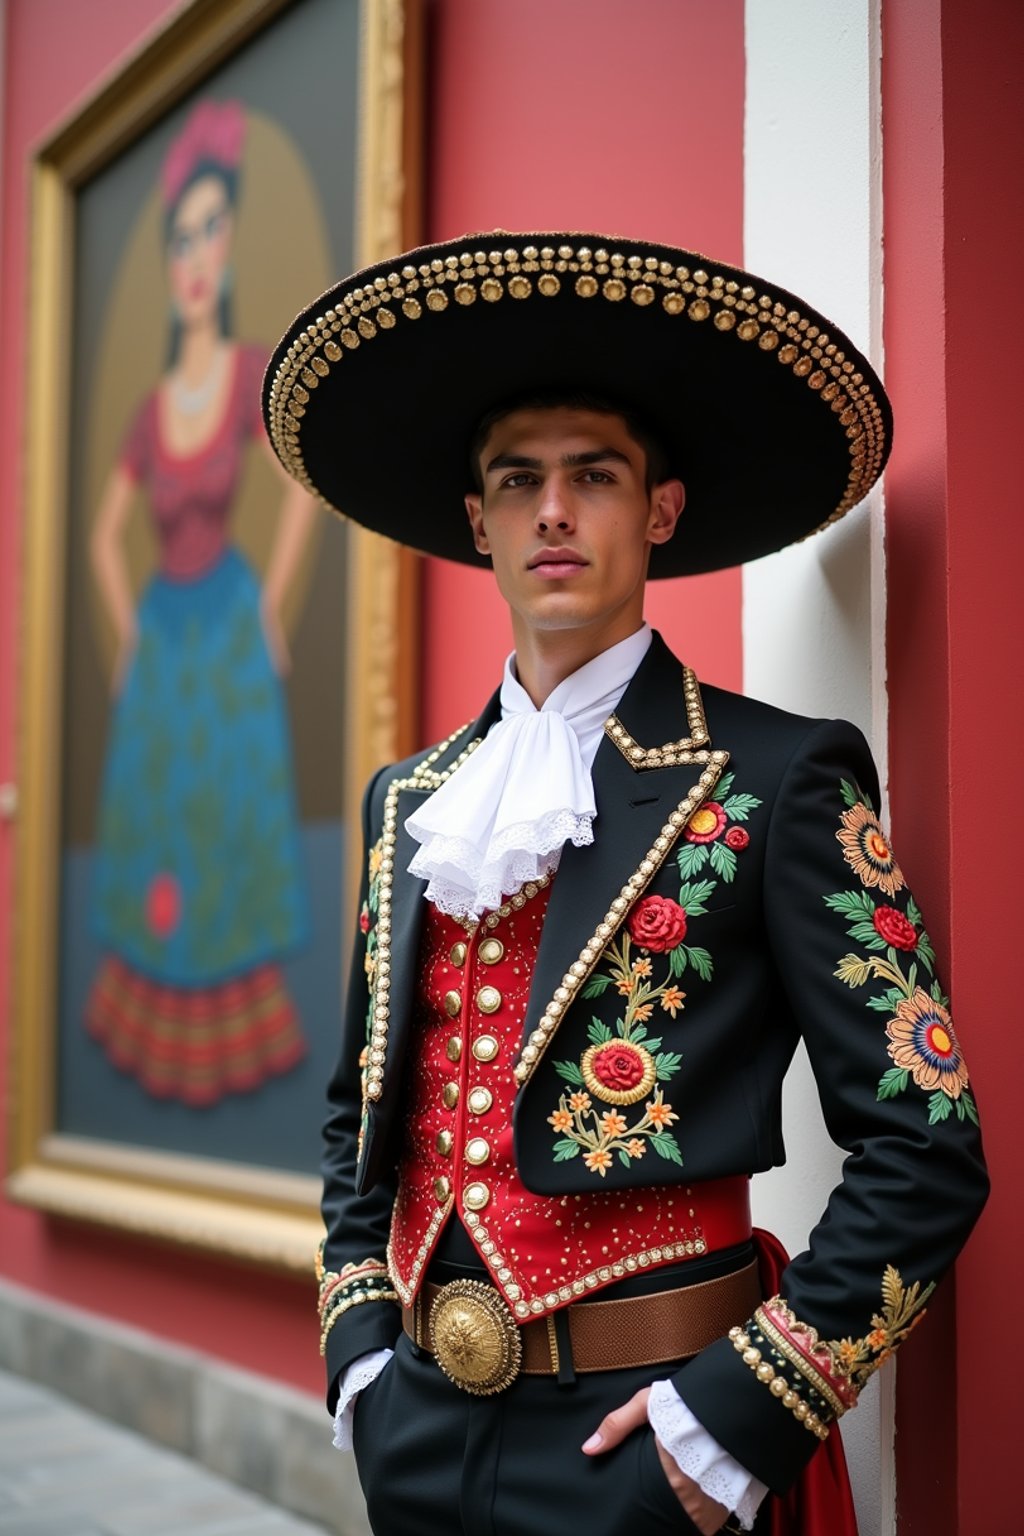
(479, 1345)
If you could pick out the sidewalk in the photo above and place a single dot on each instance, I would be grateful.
(65, 1472)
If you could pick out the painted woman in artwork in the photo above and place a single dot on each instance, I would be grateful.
(199, 890)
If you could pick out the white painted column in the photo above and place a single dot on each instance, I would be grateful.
(814, 615)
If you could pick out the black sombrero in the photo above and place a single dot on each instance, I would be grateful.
(775, 421)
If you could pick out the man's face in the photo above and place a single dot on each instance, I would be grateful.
(567, 519)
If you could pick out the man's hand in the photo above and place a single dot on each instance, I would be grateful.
(707, 1515)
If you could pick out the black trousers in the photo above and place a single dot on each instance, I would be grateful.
(434, 1460)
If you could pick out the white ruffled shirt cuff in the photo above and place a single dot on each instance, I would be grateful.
(694, 1451)
(358, 1374)
(700, 1456)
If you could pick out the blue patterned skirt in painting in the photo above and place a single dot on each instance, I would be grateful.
(198, 867)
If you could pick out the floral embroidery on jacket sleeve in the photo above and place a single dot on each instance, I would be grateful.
(625, 1065)
(922, 1041)
(903, 1307)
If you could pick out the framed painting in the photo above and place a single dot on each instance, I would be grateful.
(211, 667)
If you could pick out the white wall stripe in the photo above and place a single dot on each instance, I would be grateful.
(814, 616)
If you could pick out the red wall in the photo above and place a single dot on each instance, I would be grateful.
(954, 134)
(549, 112)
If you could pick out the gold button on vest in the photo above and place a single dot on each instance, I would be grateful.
(452, 1003)
(479, 1101)
(450, 1095)
(442, 1189)
(444, 1143)
(488, 999)
(477, 1151)
(475, 1196)
(458, 954)
(491, 951)
(485, 1048)
(453, 1049)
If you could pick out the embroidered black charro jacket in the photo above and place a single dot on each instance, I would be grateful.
(760, 827)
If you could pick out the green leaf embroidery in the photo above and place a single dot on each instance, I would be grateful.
(851, 796)
(570, 1072)
(624, 1157)
(596, 985)
(598, 1032)
(892, 1082)
(913, 912)
(937, 994)
(700, 959)
(967, 1100)
(649, 1044)
(866, 933)
(667, 1065)
(566, 1149)
(940, 1107)
(739, 807)
(677, 961)
(724, 785)
(692, 898)
(926, 952)
(886, 1002)
(855, 904)
(723, 861)
(691, 859)
(666, 1147)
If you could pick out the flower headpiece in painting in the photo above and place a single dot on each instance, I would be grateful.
(214, 133)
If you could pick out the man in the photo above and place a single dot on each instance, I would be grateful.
(595, 922)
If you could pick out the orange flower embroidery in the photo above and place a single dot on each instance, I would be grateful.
(866, 849)
(561, 1120)
(636, 1147)
(641, 967)
(579, 1101)
(642, 1012)
(672, 1000)
(612, 1123)
(661, 1114)
(598, 1161)
(922, 1041)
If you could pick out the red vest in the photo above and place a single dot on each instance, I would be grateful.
(542, 1250)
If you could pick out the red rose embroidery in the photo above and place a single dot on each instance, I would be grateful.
(737, 838)
(707, 824)
(618, 1066)
(163, 905)
(894, 928)
(364, 920)
(658, 924)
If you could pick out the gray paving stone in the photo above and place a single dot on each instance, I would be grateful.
(66, 1472)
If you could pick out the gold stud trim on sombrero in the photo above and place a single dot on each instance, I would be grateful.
(529, 273)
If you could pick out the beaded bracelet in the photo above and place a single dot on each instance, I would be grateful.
(777, 1383)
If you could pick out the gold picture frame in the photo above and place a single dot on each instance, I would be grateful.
(251, 1213)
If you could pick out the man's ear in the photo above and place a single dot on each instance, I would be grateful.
(667, 502)
(475, 513)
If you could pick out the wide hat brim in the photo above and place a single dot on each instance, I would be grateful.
(776, 423)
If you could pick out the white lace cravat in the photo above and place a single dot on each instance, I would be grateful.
(505, 816)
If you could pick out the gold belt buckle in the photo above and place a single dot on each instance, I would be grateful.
(475, 1338)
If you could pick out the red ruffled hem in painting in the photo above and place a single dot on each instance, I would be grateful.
(195, 1044)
